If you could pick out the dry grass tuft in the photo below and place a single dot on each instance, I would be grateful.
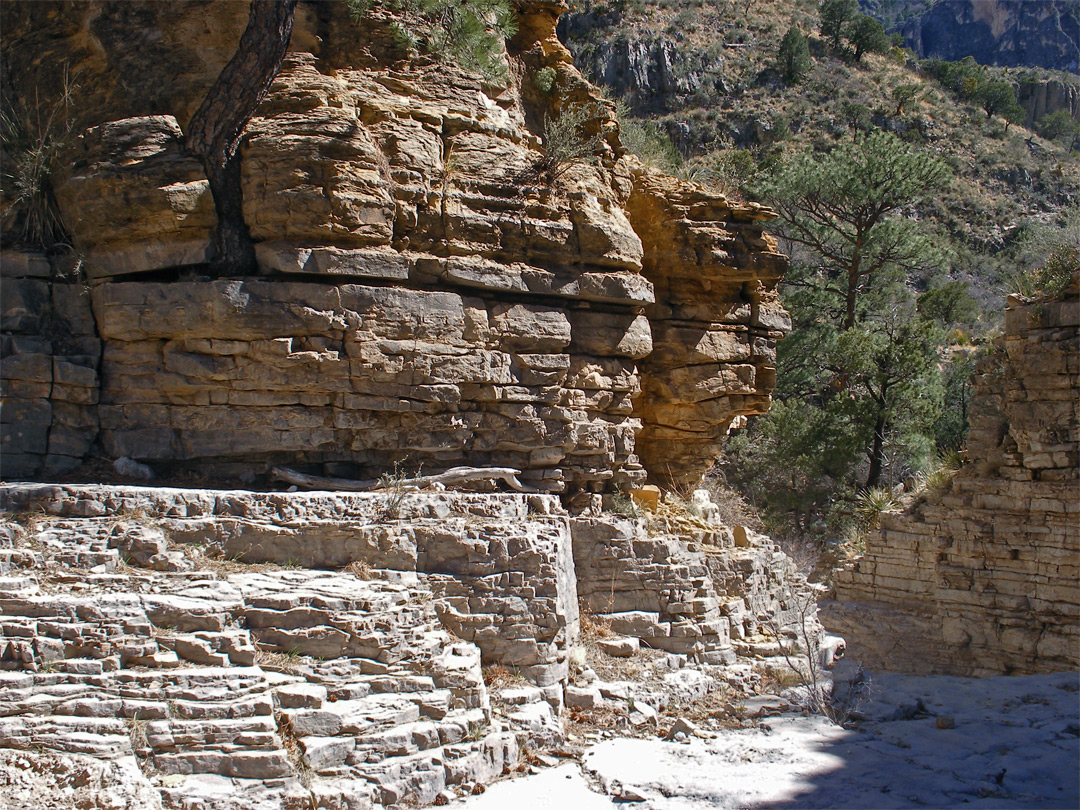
(594, 627)
(361, 570)
(273, 660)
(498, 676)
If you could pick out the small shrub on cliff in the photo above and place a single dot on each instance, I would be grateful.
(729, 170)
(31, 138)
(545, 79)
(624, 505)
(569, 139)
(499, 676)
(937, 477)
(648, 141)
(1055, 252)
(470, 34)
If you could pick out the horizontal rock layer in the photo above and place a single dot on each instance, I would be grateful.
(429, 293)
(981, 578)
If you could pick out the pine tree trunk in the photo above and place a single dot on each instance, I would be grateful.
(877, 452)
(850, 298)
(215, 130)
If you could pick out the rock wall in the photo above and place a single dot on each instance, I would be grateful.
(500, 566)
(143, 625)
(325, 649)
(426, 294)
(1046, 96)
(689, 587)
(51, 356)
(980, 578)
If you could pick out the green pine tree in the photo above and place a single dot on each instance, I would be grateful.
(866, 35)
(996, 96)
(841, 207)
(793, 59)
(859, 394)
(835, 15)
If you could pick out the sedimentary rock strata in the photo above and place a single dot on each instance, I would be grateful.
(430, 292)
(688, 587)
(174, 635)
(432, 289)
(980, 578)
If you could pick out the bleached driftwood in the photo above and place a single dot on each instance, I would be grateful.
(454, 477)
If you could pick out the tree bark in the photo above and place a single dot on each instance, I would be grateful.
(877, 451)
(454, 477)
(214, 131)
(850, 298)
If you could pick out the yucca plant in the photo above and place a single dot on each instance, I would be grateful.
(871, 503)
(31, 138)
(938, 476)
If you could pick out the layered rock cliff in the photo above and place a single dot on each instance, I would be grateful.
(1012, 33)
(235, 650)
(980, 578)
(428, 295)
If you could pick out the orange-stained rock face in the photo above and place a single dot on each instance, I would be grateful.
(426, 295)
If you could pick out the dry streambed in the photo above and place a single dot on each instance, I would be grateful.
(924, 742)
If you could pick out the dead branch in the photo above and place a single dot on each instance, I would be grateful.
(454, 477)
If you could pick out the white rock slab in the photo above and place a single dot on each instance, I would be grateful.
(562, 788)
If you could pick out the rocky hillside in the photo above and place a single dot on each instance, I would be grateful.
(706, 76)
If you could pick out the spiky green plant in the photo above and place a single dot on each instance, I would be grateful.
(470, 34)
(871, 503)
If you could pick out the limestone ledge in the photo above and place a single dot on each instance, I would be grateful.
(274, 646)
(500, 568)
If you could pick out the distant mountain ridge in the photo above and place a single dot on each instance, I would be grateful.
(1009, 33)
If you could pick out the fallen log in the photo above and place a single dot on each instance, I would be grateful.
(454, 477)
